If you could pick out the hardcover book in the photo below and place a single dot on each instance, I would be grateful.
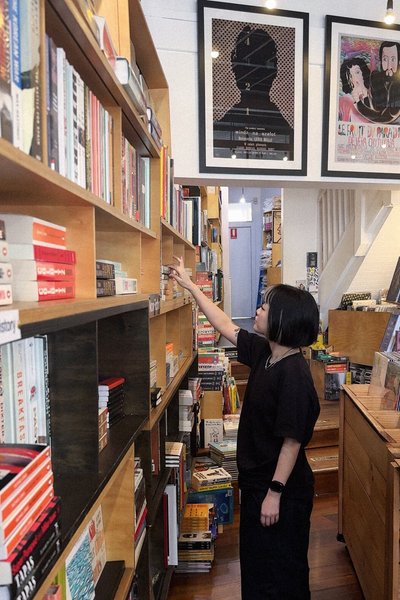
(24, 229)
(17, 463)
(40, 291)
(41, 253)
(78, 569)
(35, 270)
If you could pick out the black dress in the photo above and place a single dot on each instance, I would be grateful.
(279, 402)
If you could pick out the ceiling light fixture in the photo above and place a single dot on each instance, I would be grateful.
(214, 53)
(233, 153)
(389, 15)
(270, 4)
(242, 198)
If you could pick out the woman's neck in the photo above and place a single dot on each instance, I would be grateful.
(278, 351)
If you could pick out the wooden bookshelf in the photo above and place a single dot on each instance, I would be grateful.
(90, 338)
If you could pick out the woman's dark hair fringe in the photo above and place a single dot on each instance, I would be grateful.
(293, 318)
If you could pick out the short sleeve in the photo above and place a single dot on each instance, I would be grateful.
(295, 408)
(250, 346)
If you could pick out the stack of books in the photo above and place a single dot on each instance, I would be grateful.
(153, 372)
(43, 268)
(105, 278)
(112, 396)
(173, 454)
(213, 366)
(203, 478)
(155, 396)
(140, 509)
(198, 520)
(29, 519)
(231, 426)
(224, 454)
(186, 414)
(6, 273)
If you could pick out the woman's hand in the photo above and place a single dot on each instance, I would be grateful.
(180, 275)
(270, 509)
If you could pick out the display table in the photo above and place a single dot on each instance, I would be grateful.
(369, 491)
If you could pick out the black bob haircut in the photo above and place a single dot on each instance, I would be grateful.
(293, 318)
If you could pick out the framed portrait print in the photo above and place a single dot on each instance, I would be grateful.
(252, 89)
(361, 130)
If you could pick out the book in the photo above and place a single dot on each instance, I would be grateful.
(110, 383)
(209, 477)
(78, 569)
(35, 270)
(41, 253)
(125, 285)
(105, 40)
(52, 104)
(54, 592)
(30, 74)
(105, 287)
(40, 291)
(6, 272)
(170, 490)
(127, 77)
(16, 80)
(6, 109)
(6, 294)
(97, 544)
(24, 229)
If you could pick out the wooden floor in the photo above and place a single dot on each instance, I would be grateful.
(332, 576)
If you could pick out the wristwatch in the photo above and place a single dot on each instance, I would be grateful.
(277, 486)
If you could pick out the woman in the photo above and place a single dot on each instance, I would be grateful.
(279, 412)
(355, 77)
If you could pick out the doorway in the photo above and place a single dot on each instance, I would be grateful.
(240, 268)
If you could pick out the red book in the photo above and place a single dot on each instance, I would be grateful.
(17, 463)
(13, 521)
(40, 291)
(35, 270)
(7, 507)
(43, 253)
(11, 542)
(111, 383)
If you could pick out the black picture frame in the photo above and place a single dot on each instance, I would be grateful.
(253, 98)
(361, 126)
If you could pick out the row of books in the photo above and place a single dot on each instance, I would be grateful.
(39, 265)
(135, 184)
(24, 397)
(29, 519)
(141, 509)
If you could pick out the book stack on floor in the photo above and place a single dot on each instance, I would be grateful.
(6, 273)
(24, 416)
(231, 426)
(175, 458)
(199, 525)
(112, 396)
(140, 509)
(224, 454)
(29, 519)
(212, 484)
(43, 267)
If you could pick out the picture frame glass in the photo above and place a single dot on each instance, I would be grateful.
(362, 100)
(253, 90)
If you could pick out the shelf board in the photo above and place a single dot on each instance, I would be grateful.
(53, 315)
(110, 579)
(167, 306)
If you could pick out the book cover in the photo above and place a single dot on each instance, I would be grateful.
(170, 490)
(105, 40)
(6, 109)
(78, 569)
(21, 409)
(30, 76)
(8, 430)
(16, 80)
(6, 272)
(97, 544)
(42, 388)
(61, 121)
(52, 105)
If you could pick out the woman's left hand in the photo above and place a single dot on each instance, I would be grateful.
(270, 509)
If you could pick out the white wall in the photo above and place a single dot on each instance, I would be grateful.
(173, 24)
(299, 232)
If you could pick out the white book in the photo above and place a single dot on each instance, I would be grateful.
(61, 65)
(41, 362)
(16, 82)
(81, 132)
(170, 490)
(31, 390)
(125, 285)
(6, 272)
(25, 229)
(21, 411)
(7, 385)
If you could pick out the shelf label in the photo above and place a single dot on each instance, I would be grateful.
(9, 330)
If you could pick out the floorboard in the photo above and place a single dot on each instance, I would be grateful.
(331, 572)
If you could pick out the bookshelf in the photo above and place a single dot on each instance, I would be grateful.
(271, 253)
(91, 338)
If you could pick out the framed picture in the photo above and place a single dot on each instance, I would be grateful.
(361, 130)
(252, 89)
